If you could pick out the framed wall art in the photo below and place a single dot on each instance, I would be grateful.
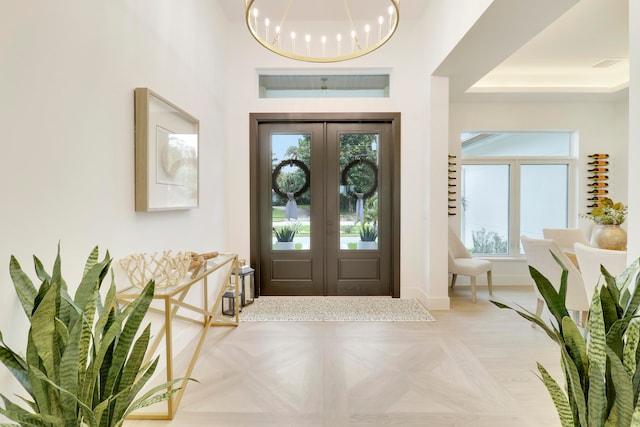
(166, 157)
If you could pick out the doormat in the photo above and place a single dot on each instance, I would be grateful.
(335, 309)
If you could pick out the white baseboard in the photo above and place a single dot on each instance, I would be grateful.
(431, 303)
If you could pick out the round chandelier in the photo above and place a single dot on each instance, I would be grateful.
(322, 31)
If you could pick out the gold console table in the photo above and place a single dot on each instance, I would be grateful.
(207, 314)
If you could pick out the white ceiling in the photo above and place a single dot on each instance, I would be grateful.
(562, 57)
(324, 10)
(559, 59)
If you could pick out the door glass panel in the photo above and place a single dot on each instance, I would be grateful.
(358, 189)
(485, 208)
(290, 193)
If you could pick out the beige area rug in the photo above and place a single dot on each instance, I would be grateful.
(335, 309)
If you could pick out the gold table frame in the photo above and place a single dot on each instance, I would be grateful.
(173, 299)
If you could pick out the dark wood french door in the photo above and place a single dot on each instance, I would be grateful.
(326, 189)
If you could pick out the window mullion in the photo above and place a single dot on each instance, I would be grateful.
(514, 205)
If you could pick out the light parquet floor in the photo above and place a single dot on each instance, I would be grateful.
(475, 366)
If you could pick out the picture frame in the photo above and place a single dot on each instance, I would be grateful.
(166, 154)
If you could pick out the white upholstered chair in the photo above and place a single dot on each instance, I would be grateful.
(461, 262)
(538, 254)
(566, 238)
(590, 260)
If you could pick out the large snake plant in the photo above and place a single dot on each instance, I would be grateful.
(601, 363)
(84, 361)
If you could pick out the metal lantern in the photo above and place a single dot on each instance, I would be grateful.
(229, 303)
(246, 284)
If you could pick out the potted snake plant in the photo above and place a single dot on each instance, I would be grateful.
(84, 364)
(368, 236)
(601, 364)
(285, 235)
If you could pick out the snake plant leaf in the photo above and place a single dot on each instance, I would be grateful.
(26, 418)
(62, 331)
(69, 311)
(131, 370)
(86, 333)
(104, 369)
(632, 306)
(56, 273)
(530, 317)
(611, 283)
(559, 398)
(23, 285)
(632, 337)
(152, 400)
(41, 272)
(99, 305)
(562, 291)
(609, 308)
(42, 291)
(152, 397)
(43, 332)
(15, 363)
(92, 259)
(102, 413)
(110, 301)
(126, 395)
(576, 394)
(69, 370)
(89, 281)
(625, 280)
(87, 413)
(616, 335)
(126, 338)
(577, 349)
(39, 391)
(133, 364)
(623, 406)
(92, 370)
(85, 355)
(106, 344)
(105, 313)
(597, 395)
(554, 299)
(134, 389)
(115, 406)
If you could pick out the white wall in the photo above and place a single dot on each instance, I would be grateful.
(67, 73)
(634, 131)
(601, 127)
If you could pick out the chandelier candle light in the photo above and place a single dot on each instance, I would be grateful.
(319, 21)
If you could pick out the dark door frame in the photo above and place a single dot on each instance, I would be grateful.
(256, 119)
